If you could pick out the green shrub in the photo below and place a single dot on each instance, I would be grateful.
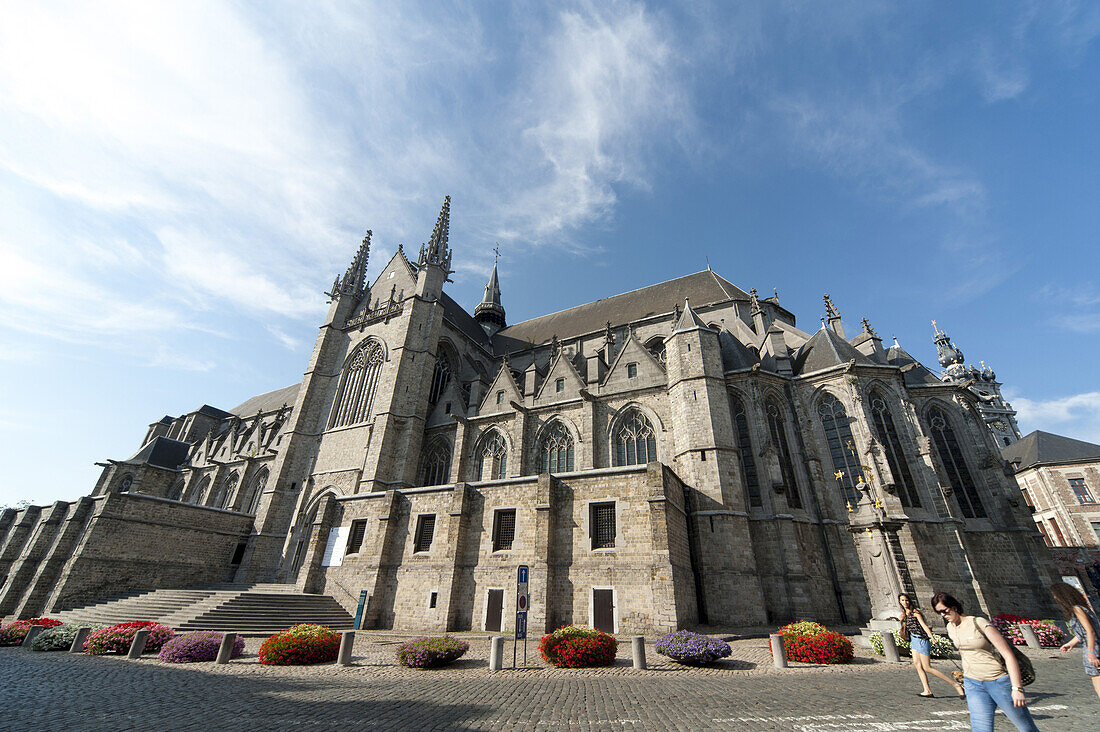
(59, 638)
(941, 645)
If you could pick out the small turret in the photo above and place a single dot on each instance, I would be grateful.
(950, 356)
(490, 313)
(434, 262)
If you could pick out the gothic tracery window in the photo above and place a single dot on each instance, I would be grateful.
(256, 489)
(437, 463)
(778, 431)
(441, 377)
(556, 449)
(888, 435)
(958, 473)
(656, 348)
(749, 475)
(225, 494)
(838, 435)
(493, 455)
(357, 385)
(634, 441)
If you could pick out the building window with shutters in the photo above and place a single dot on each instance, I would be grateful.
(602, 523)
(355, 538)
(954, 464)
(1081, 490)
(504, 529)
(425, 530)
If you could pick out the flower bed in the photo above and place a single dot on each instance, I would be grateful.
(431, 652)
(301, 645)
(576, 646)
(13, 634)
(117, 638)
(692, 649)
(59, 637)
(941, 645)
(810, 642)
(200, 646)
(1049, 634)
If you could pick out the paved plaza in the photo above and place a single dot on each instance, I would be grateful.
(58, 691)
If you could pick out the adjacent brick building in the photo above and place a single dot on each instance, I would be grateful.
(675, 455)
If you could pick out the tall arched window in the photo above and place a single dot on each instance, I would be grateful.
(357, 385)
(749, 475)
(958, 474)
(200, 493)
(556, 449)
(778, 432)
(225, 494)
(634, 441)
(888, 435)
(492, 457)
(255, 490)
(441, 377)
(436, 468)
(842, 448)
(176, 491)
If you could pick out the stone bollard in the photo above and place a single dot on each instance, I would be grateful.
(637, 650)
(779, 653)
(29, 637)
(225, 650)
(1030, 638)
(496, 652)
(889, 647)
(137, 647)
(347, 642)
(78, 641)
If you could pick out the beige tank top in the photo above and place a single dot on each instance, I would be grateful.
(980, 660)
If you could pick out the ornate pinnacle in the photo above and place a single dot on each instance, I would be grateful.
(608, 335)
(830, 309)
(355, 279)
(754, 301)
(868, 329)
(436, 251)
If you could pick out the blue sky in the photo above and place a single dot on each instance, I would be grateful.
(180, 183)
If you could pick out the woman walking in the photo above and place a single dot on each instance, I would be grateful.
(920, 643)
(989, 681)
(1085, 626)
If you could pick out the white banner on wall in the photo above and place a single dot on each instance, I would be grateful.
(337, 542)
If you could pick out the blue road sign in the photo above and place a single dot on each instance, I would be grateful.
(522, 579)
(359, 609)
(521, 627)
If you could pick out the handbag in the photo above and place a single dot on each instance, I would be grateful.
(904, 630)
(1027, 669)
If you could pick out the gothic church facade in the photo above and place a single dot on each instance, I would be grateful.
(680, 454)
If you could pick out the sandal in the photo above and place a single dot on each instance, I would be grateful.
(927, 696)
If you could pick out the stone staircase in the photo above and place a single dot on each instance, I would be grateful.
(250, 609)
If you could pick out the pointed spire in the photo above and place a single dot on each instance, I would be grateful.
(868, 329)
(354, 282)
(608, 335)
(490, 313)
(689, 319)
(754, 301)
(833, 316)
(437, 250)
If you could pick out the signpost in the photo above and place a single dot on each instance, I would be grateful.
(523, 600)
(359, 610)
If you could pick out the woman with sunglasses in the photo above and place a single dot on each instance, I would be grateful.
(990, 682)
(920, 643)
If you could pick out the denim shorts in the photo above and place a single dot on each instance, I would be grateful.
(920, 645)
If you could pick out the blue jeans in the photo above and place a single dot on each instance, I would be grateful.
(983, 697)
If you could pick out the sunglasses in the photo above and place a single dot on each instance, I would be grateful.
(944, 611)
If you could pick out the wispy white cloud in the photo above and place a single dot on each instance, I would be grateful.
(1076, 415)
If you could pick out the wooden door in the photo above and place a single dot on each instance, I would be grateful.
(603, 610)
(495, 610)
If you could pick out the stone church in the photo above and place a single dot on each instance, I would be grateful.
(681, 454)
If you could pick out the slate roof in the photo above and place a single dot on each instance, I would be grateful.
(917, 374)
(824, 350)
(702, 288)
(1045, 447)
(735, 354)
(214, 412)
(268, 402)
(462, 320)
(162, 452)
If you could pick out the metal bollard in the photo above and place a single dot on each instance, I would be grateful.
(31, 633)
(779, 653)
(78, 641)
(347, 642)
(225, 650)
(496, 652)
(637, 650)
(889, 647)
(1030, 638)
(137, 647)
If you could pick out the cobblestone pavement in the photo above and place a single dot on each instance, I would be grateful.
(58, 691)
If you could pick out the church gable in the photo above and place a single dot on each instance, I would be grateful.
(561, 368)
(502, 391)
(633, 368)
(396, 278)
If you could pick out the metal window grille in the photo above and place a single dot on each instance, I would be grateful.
(355, 540)
(504, 530)
(425, 530)
(603, 525)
